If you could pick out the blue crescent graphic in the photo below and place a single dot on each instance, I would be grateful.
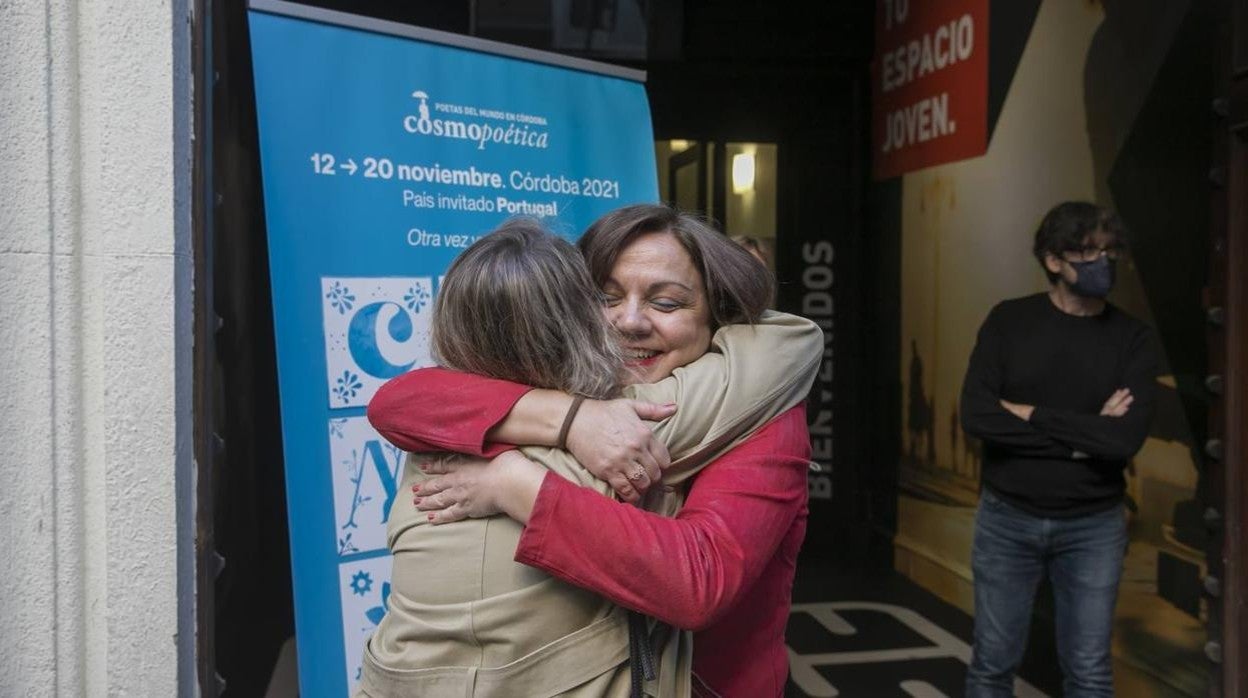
(365, 341)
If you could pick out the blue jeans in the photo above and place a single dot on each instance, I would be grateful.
(1083, 558)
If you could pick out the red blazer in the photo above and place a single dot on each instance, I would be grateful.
(722, 567)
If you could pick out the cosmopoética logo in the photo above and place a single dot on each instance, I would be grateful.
(474, 125)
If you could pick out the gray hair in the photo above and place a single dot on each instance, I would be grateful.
(519, 305)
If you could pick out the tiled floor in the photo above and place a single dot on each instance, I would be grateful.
(878, 635)
(873, 633)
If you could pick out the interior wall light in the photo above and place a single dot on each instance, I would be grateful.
(742, 172)
(680, 145)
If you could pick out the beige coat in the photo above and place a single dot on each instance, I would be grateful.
(465, 619)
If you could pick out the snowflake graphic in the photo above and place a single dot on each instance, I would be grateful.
(355, 466)
(347, 385)
(336, 427)
(376, 613)
(416, 298)
(341, 298)
(360, 500)
(391, 450)
(361, 583)
(346, 546)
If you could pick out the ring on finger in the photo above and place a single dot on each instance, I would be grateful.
(639, 471)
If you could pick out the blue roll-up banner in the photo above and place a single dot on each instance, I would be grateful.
(384, 156)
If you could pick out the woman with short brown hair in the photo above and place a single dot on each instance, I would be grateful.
(463, 617)
(724, 565)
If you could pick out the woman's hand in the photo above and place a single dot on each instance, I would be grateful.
(472, 487)
(609, 438)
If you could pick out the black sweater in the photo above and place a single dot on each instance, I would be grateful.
(1067, 460)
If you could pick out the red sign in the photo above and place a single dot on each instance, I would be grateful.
(930, 84)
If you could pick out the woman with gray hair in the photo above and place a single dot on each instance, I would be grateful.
(678, 295)
(464, 618)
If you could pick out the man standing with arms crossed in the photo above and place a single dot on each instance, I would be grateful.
(1060, 389)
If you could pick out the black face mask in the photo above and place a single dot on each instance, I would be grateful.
(1094, 279)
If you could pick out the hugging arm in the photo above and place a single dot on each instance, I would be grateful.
(687, 570)
(753, 373)
(437, 409)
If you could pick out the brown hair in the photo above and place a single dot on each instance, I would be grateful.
(738, 286)
(519, 305)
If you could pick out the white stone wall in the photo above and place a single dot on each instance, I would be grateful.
(95, 342)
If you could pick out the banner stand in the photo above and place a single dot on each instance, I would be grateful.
(385, 151)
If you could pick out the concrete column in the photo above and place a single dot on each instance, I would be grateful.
(95, 340)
